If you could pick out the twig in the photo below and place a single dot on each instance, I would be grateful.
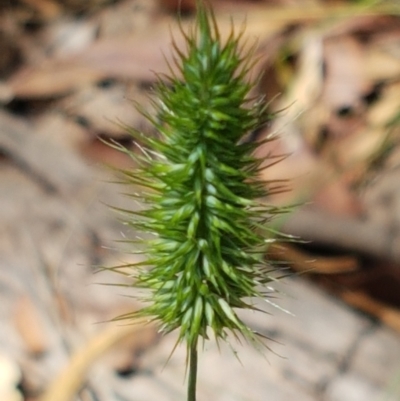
(71, 379)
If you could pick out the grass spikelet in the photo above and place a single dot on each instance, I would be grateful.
(201, 193)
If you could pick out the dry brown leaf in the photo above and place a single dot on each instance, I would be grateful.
(225, 5)
(340, 127)
(48, 9)
(336, 197)
(29, 324)
(103, 109)
(52, 78)
(359, 149)
(380, 65)
(6, 93)
(303, 261)
(179, 5)
(345, 83)
(362, 22)
(68, 37)
(135, 57)
(57, 168)
(300, 97)
(366, 303)
(387, 108)
(127, 17)
(58, 128)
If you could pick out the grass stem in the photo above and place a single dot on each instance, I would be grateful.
(192, 372)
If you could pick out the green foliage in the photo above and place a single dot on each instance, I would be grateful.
(201, 192)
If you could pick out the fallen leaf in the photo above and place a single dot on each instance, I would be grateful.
(29, 325)
(345, 82)
(135, 57)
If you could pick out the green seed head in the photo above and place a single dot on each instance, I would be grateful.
(201, 192)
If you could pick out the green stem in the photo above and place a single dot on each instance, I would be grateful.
(192, 371)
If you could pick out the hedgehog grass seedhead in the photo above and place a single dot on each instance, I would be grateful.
(201, 191)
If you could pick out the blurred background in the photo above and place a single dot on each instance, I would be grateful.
(70, 73)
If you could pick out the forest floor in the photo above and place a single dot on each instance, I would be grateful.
(69, 70)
